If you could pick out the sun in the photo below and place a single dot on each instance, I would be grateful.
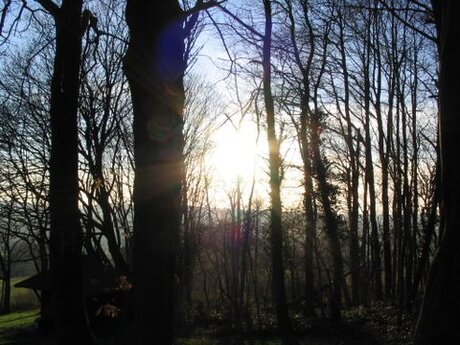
(237, 156)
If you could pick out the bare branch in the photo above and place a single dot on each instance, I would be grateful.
(50, 6)
(239, 21)
(203, 6)
(395, 13)
(4, 12)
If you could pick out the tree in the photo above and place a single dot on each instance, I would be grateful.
(155, 67)
(200, 119)
(305, 68)
(441, 304)
(25, 150)
(276, 230)
(66, 232)
(353, 146)
(6, 251)
(104, 126)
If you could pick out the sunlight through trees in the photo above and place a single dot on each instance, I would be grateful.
(254, 166)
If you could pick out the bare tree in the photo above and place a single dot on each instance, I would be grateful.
(436, 322)
(276, 230)
(66, 233)
(155, 67)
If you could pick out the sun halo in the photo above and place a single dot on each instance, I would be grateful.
(237, 156)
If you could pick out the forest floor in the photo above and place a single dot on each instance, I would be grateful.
(378, 324)
(375, 325)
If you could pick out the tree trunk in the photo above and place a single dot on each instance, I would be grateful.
(310, 235)
(155, 67)
(370, 180)
(438, 318)
(330, 221)
(310, 220)
(66, 232)
(5, 301)
(384, 161)
(429, 231)
(276, 232)
(5, 262)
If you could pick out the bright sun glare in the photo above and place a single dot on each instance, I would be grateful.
(237, 154)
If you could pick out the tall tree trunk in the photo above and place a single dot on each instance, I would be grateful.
(353, 167)
(370, 180)
(428, 234)
(310, 225)
(5, 301)
(414, 184)
(310, 218)
(325, 191)
(66, 232)
(364, 252)
(276, 231)
(437, 323)
(330, 222)
(155, 67)
(383, 145)
(5, 263)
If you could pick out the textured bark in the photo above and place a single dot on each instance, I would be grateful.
(438, 318)
(155, 66)
(66, 232)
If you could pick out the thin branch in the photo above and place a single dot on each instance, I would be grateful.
(395, 13)
(239, 21)
(4, 11)
(221, 36)
(203, 6)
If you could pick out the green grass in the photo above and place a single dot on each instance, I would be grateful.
(24, 310)
(18, 319)
(13, 326)
(22, 299)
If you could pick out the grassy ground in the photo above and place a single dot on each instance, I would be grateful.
(22, 299)
(17, 326)
(378, 324)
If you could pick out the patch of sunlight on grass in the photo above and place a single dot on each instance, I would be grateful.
(21, 298)
(18, 319)
(13, 326)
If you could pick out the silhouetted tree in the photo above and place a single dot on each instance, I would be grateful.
(66, 232)
(274, 161)
(155, 65)
(441, 304)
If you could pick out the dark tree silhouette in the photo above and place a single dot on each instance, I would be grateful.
(155, 68)
(276, 231)
(155, 65)
(437, 323)
(66, 233)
